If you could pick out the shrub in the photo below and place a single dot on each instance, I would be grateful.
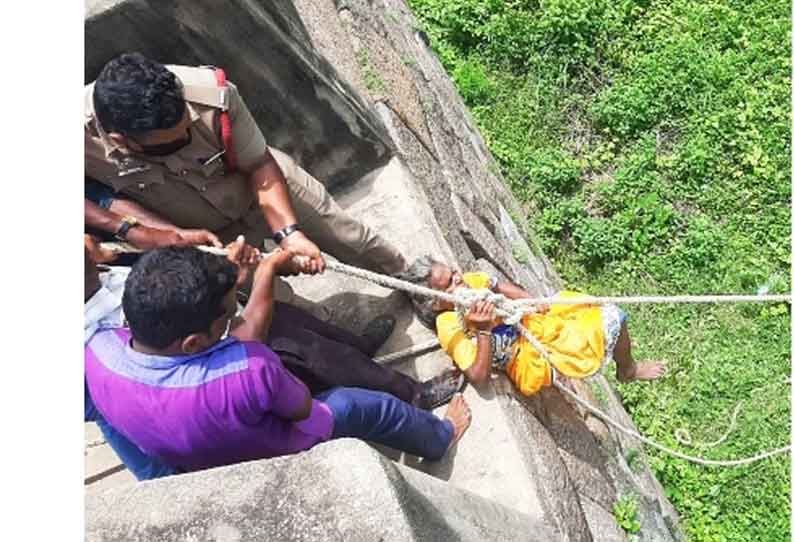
(650, 141)
(471, 78)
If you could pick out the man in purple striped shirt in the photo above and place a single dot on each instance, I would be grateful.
(195, 398)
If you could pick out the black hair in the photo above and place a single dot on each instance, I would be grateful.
(133, 95)
(175, 291)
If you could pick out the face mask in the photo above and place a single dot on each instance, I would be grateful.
(164, 149)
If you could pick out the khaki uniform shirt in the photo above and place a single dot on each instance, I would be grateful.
(189, 187)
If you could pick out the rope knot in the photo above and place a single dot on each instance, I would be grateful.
(515, 312)
(510, 311)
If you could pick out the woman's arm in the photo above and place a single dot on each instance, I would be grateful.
(481, 370)
(512, 291)
(481, 318)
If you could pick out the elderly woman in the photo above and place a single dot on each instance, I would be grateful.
(579, 338)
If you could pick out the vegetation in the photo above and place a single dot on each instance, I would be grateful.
(625, 511)
(650, 144)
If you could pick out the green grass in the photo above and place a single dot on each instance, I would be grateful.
(625, 511)
(649, 143)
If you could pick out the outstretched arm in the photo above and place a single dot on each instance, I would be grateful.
(513, 291)
(152, 230)
(267, 181)
(510, 290)
(272, 194)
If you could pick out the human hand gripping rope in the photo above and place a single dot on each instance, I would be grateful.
(512, 311)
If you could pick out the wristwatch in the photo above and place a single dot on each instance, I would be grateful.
(127, 222)
(282, 234)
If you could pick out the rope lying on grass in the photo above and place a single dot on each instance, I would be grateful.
(682, 434)
(665, 449)
(683, 437)
(513, 310)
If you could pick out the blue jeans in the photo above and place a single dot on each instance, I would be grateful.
(139, 464)
(382, 418)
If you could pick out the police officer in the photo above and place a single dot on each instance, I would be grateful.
(155, 134)
(183, 145)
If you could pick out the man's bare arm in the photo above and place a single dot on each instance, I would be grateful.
(152, 232)
(126, 207)
(254, 322)
(272, 194)
(101, 218)
(268, 182)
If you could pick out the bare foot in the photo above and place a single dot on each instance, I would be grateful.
(459, 414)
(650, 370)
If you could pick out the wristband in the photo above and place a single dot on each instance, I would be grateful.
(483, 332)
(282, 234)
(126, 223)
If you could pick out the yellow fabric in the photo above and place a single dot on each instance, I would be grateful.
(453, 339)
(572, 334)
(452, 336)
(477, 280)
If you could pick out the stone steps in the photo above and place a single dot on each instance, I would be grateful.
(487, 460)
(340, 491)
(102, 467)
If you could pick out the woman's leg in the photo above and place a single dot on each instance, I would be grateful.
(627, 368)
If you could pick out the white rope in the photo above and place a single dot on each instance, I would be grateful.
(633, 300)
(665, 449)
(513, 310)
(505, 307)
(683, 437)
(620, 427)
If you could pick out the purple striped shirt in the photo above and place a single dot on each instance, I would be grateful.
(224, 405)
